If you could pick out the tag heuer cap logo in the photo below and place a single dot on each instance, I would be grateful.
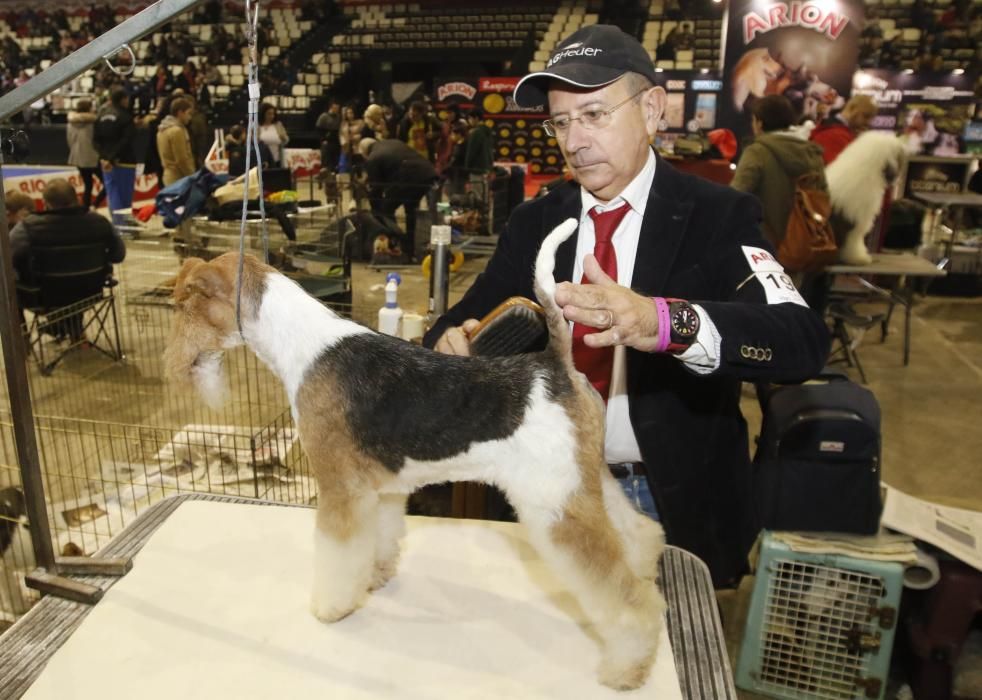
(576, 49)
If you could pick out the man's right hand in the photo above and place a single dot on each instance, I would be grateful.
(455, 341)
(106, 165)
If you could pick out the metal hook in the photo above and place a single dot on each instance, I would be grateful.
(114, 69)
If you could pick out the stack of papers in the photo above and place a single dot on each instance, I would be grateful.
(955, 530)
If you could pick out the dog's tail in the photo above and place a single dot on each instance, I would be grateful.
(545, 290)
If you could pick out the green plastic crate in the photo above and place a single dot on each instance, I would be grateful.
(819, 626)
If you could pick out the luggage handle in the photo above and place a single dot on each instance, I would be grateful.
(832, 375)
(765, 389)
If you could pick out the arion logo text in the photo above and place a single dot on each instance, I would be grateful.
(573, 50)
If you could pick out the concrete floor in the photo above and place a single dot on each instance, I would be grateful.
(931, 442)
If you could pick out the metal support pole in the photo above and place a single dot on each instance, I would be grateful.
(73, 65)
(14, 347)
(21, 410)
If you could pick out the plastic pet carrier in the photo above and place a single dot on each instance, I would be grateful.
(820, 626)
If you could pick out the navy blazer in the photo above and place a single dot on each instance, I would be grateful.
(692, 435)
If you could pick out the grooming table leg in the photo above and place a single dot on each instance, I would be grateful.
(52, 584)
(58, 585)
(89, 566)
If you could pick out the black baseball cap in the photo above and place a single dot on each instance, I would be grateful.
(590, 57)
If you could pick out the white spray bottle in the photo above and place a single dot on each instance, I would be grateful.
(390, 315)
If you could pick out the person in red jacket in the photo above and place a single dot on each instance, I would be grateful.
(836, 132)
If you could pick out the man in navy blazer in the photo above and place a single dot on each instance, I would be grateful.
(699, 303)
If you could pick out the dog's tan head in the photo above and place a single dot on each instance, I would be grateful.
(205, 323)
(753, 75)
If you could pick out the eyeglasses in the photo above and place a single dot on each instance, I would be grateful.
(590, 119)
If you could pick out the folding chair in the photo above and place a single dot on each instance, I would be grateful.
(844, 317)
(69, 292)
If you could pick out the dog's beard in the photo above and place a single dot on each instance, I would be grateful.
(208, 378)
(199, 370)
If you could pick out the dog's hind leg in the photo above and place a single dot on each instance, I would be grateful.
(642, 537)
(853, 249)
(344, 549)
(585, 550)
(391, 528)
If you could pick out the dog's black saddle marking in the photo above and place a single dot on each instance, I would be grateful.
(403, 401)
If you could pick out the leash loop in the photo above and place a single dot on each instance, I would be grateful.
(116, 69)
(252, 143)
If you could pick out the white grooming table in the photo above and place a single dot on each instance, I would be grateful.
(216, 606)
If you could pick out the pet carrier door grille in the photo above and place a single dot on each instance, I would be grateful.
(820, 626)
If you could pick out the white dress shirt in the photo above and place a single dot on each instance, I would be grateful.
(703, 356)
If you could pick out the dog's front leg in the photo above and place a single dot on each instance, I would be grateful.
(391, 528)
(344, 551)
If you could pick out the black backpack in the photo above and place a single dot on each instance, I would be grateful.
(817, 466)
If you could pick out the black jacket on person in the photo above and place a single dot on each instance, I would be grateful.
(692, 435)
(236, 153)
(392, 162)
(113, 135)
(69, 226)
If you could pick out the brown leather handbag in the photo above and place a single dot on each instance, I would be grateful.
(809, 242)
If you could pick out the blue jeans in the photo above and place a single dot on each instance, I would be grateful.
(119, 183)
(637, 491)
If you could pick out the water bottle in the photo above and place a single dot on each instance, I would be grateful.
(390, 315)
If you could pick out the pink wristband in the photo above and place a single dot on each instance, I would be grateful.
(664, 332)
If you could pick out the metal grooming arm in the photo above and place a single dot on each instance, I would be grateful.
(47, 578)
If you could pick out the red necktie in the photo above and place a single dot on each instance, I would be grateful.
(598, 363)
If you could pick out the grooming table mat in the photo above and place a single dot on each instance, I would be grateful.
(217, 606)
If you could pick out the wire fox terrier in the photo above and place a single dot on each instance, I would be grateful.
(379, 417)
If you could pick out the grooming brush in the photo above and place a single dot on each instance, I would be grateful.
(515, 326)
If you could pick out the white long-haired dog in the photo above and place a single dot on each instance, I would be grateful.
(379, 417)
(857, 179)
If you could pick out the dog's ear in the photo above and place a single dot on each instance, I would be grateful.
(189, 265)
(209, 281)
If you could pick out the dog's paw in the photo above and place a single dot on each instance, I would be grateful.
(382, 573)
(856, 257)
(621, 676)
(328, 614)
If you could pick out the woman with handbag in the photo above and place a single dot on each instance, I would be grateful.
(771, 166)
(787, 174)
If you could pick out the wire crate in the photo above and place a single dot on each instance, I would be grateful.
(114, 436)
(820, 626)
(119, 470)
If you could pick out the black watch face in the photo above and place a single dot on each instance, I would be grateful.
(685, 321)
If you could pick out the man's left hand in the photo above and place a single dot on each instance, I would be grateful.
(622, 316)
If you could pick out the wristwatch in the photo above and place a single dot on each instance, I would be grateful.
(678, 325)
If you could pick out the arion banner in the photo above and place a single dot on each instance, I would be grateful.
(806, 51)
